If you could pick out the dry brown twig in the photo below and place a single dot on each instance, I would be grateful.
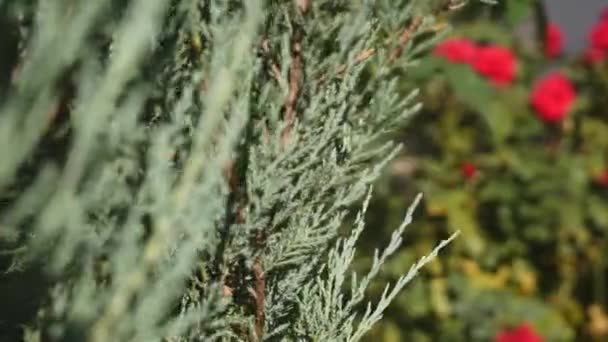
(404, 38)
(295, 76)
(259, 296)
(304, 5)
(453, 5)
(275, 70)
(359, 58)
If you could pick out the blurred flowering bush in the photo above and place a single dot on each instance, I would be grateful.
(513, 152)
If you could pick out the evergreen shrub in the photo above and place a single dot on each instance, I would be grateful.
(181, 170)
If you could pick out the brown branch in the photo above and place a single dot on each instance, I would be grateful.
(295, 76)
(359, 58)
(265, 133)
(230, 176)
(452, 5)
(275, 70)
(304, 5)
(296, 71)
(406, 35)
(259, 296)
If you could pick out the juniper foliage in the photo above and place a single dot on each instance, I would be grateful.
(182, 169)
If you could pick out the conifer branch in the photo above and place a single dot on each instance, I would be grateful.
(179, 163)
(406, 35)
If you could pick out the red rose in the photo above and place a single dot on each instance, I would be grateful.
(602, 178)
(552, 97)
(468, 170)
(456, 50)
(523, 333)
(599, 35)
(553, 41)
(495, 62)
(593, 55)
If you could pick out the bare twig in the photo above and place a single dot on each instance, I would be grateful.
(406, 35)
(453, 5)
(304, 5)
(359, 58)
(362, 56)
(259, 296)
(230, 176)
(275, 70)
(295, 76)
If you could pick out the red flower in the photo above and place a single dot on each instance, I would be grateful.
(553, 41)
(468, 170)
(593, 55)
(552, 97)
(599, 35)
(602, 178)
(456, 50)
(523, 333)
(495, 62)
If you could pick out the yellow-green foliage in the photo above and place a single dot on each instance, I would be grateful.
(533, 211)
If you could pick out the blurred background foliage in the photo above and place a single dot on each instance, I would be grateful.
(516, 161)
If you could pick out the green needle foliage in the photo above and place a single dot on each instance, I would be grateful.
(181, 170)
